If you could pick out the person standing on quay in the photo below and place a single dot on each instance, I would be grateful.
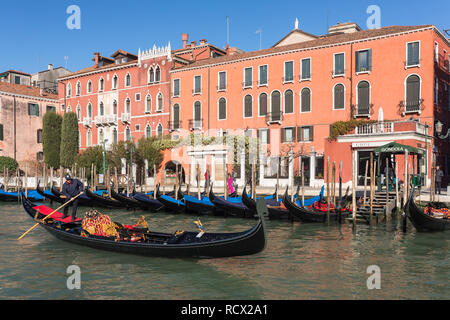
(438, 178)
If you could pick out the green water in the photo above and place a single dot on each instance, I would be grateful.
(301, 261)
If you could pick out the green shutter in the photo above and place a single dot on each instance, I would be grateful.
(36, 106)
(311, 133)
(369, 60)
(283, 135)
(356, 61)
(1, 132)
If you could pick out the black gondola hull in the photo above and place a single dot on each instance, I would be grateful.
(423, 222)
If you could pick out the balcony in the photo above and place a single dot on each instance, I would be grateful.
(87, 122)
(195, 124)
(105, 120)
(413, 106)
(274, 117)
(125, 117)
(390, 128)
(174, 125)
(363, 110)
(375, 128)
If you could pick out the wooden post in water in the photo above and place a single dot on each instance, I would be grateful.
(433, 178)
(278, 176)
(303, 183)
(108, 180)
(197, 172)
(116, 180)
(26, 181)
(328, 190)
(176, 182)
(365, 182)
(154, 181)
(51, 177)
(225, 184)
(387, 179)
(372, 178)
(334, 183)
(60, 178)
(397, 200)
(354, 188)
(254, 181)
(128, 178)
(405, 184)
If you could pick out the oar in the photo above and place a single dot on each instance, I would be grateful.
(48, 216)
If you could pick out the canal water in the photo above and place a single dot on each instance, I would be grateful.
(300, 261)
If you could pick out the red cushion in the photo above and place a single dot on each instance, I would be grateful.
(56, 216)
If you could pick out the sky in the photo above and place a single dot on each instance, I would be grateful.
(35, 33)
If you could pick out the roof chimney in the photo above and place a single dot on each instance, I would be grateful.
(347, 27)
(50, 67)
(193, 43)
(96, 59)
(202, 41)
(184, 38)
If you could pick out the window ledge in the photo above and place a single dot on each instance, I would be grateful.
(338, 75)
(362, 72)
(289, 81)
(412, 66)
(263, 85)
(221, 90)
(304, 80)
(247, 87)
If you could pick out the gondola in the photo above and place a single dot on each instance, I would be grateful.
(49, 195)
(7, 196)
(104, 201)
(231, 207)
(201, 207)
(422, 221)
(274, 208)
(180, 245)
(151, 203)
(306, 214)
(174, 205)
(129, 202)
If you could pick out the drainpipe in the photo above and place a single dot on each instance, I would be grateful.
(15, 138)
(351, 80)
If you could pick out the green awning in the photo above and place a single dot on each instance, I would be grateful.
(397, 148)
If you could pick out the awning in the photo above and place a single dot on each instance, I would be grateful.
(397, 148)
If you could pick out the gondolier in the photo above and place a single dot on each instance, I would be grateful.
(71, 188)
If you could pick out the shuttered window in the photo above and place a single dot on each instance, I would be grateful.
(363, 60)
(1, 132)
(248, 77)
(363, 96)
(263, 136)
(289, 71)
(306, 100)
(222, 80)
(263, 104)
(413, 54)
(305, 134)
(339, 98)
(248, 106)
(288, 135)
(222, 109)
(276, 105)
(262, 75)
(289, 102)
(197, 111)
(412, 93)
(33, 109)
(176, 116)
(176, 87)
(197, 84)
(39, 136)
(102, 109)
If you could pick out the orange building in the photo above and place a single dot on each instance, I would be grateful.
(289, 95)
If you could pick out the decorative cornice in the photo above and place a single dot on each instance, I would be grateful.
(155, 52)
(28, 97)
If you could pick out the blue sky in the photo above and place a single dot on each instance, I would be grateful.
(34, 33)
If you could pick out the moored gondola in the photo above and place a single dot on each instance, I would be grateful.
(308, 214)
(7, 196)
(200, 207)
(179, 244)
(129, 202)
(149, 201)
(174, 205)
(104, 201)
(274, 208)
(231, 207)
(48, 194)
(424, 222)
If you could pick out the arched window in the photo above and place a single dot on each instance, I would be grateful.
(101, 111)
(339, 96)
(128, 105)
(100, 136)
(151, 75)
(78, 88)
(114, 135)
(89, 86)
(306, 100)
(157, 74)
(114, 82)
(89, 110)
(263, 104)
(78, 112)
(115, 110)
(148, 103)
(160, 130)
(197, 115)
(89, 138)
(275, 107)
(289, 102)
(248, 106)
(176, 117)
(412, 93)
(148, 131)
(222, 109)
(363, 107)
(69, 90)
(160, 102)
(128, 80)
(127, 134)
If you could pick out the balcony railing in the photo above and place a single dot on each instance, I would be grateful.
(105, 120)
(87, 122)
(174, 125)
(375, 128)
(362, 110)
(125, 117)
(413, 106)
(274, 117)
(195, 124)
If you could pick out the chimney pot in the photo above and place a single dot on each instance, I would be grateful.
(50, 67)
(96, 59)
(184, 38)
